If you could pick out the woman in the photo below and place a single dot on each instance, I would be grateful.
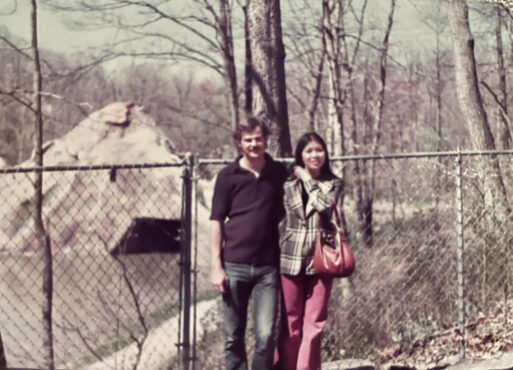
(311, 190)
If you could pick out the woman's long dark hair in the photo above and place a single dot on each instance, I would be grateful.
(303, 142)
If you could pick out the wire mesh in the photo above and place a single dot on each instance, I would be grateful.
(405, 285)
(115, 237)
(403, 297)
(488, 239)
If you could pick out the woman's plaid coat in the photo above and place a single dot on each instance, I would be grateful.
(297, 239)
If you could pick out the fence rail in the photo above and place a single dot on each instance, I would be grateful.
(432, 240)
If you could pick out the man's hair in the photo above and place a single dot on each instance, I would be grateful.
(248, 124)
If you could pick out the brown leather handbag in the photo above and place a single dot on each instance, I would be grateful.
(332, 255)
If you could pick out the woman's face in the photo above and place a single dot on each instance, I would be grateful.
(313, 156)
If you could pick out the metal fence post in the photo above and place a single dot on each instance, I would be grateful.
(194, 246)
(459, 256)
(186, 263)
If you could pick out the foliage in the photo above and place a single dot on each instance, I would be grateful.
(390, 275)
(488, 334)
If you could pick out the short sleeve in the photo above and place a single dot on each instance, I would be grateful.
(220, 199)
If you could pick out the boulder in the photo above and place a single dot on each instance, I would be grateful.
(97, 208)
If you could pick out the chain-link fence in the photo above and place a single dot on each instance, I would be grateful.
(431, 235)
(115, 236)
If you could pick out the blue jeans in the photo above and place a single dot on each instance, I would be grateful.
(261, 283)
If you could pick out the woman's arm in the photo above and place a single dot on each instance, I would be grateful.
(320, 201)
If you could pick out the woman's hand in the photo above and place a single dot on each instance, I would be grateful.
(302, 174)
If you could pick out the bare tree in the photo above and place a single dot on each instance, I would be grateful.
(43, 238)
(139, 340)
(15, 104)
(437, 23)
(305, 69)
(438, 29)
(500, 93)
(65, 87)
(358, 192)
(268, 72)
(90, 342)
(502, 101)
(373, 115)
(225, 30)
(248, 92)
(494, 203)
(334, 45)
(509, 28)
(506, 134)
(467, 86)
(168, 32)
(316, 91)
(465, 70)
(223, 25)
(335, 49)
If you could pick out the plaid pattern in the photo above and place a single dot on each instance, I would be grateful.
(298, 238)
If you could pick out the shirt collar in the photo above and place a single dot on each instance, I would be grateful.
(235, 167)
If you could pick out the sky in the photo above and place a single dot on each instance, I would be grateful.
(54, 35)
(52, 31)
(409, 34)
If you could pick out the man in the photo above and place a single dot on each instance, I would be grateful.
(246, 209)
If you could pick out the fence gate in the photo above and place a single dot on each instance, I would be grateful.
(120, 267)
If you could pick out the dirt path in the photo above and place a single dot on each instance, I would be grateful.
(156, 352)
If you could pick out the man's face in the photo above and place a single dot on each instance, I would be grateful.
(252, 144)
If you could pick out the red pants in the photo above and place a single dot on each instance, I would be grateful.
(305, 310)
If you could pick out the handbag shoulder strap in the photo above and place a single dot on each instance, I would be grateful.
(338, 222)
(337, 216)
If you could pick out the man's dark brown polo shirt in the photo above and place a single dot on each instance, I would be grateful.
(251, 209)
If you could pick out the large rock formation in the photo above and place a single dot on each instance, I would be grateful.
(99, 208)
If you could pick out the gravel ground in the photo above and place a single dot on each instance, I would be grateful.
(502, 362)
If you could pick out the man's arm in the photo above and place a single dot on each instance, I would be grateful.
(218, 276)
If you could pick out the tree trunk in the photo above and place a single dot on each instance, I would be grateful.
(42, 236)
(359, 180)
(3, 360)
(373, 119)
(505, 135)
(497, 221)
(333, 44)
(439, 124)
(510, 36)
(365, 199)
(334, 48)
(268, 72)
(248, 93)
(230, 73)
(314, 101)
(467, 89)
